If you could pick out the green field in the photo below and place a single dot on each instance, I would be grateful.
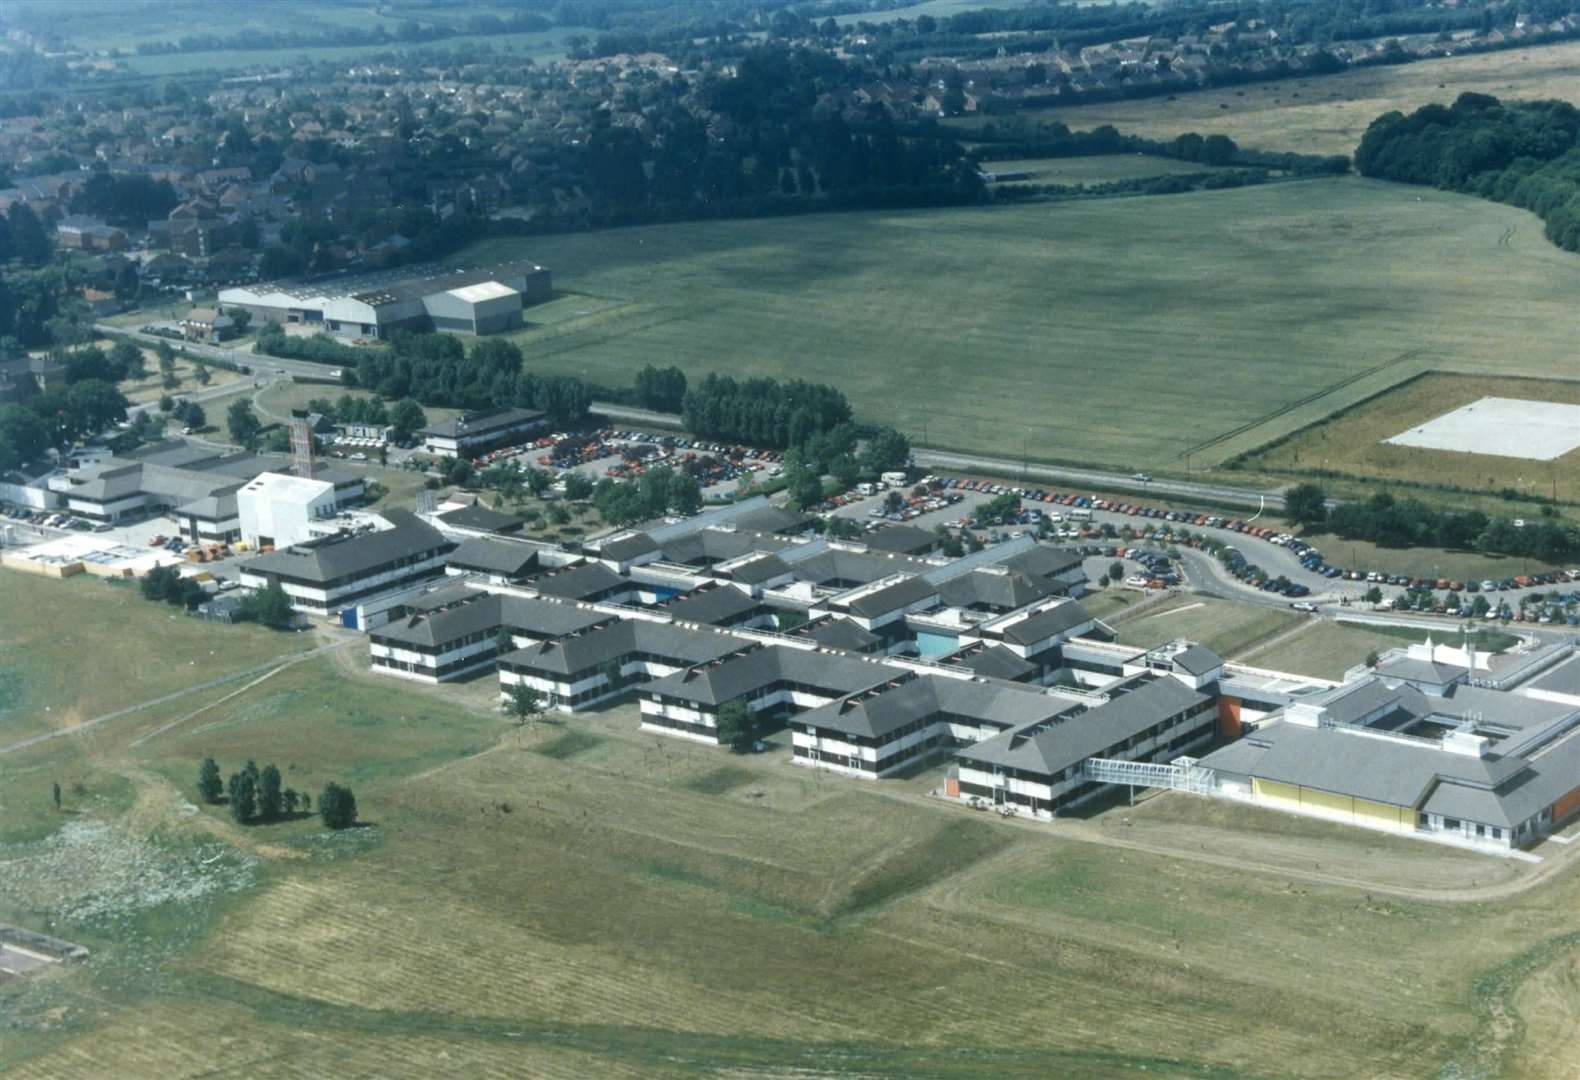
(1244, 315)
(580, 899)
(1224, 626)
(1325, 115)
(1328, 649)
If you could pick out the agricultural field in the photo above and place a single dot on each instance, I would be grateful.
(1098, 169)
(1322, 115)
(577, 899)
(1224, 626)
(1027, 329)
(1352, 444)
(1326, 649)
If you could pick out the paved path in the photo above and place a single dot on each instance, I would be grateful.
(86, 725)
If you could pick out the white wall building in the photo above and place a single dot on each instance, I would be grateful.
(277, 509)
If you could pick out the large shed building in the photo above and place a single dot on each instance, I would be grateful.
(480, 300)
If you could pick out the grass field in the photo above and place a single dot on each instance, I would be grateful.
(583, 900)
(1031, 328)
(1326, 115)
(1328, 649)
(40, 693)
(1352, 443)
(1100, 169)
(1224, 626)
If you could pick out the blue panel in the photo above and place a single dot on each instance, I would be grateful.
(348, 618)
(931, 645)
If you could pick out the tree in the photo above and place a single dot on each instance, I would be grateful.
(523, 703)
(886, 450)
(737, 728)
(1479, 606)
(663, 389)
(130, 359)
(29, 242)
(57, 795)
(1306, 504)
(268, 606)
(578, 487)
(241, 317)
(269, 795)
(685, 494)
(1116, 570)
(539, 481)
(243, 797)
(337, 806)
(803, 484)
(201, 373)
(245, 426)
(406, 419)
(291, 800)
(210, 786)
(1373, 595)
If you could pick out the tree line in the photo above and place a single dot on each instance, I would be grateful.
(763, 412)
(1524, 153)
(435, 369)
(257, 796)
(1390, 522)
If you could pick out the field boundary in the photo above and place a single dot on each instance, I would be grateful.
(1284, 410)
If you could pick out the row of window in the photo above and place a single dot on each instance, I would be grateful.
(679, 725)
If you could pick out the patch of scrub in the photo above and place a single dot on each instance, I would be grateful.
(93, 873)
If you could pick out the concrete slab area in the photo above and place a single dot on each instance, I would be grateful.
(1503, 427)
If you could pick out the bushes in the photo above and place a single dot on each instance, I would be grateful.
(1526, 154)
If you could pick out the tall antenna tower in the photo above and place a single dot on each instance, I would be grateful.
(302, 443)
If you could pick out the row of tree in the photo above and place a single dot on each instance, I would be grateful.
(1392, 522)
(763, 412)
(257, 796)
(56, 418)
(1525, 153)
(404, 418)
(435, 369)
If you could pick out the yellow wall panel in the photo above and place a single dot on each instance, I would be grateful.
(1324, 800)
(1275, 792)
(1375, 813)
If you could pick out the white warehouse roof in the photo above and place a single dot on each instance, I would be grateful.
(483, 290)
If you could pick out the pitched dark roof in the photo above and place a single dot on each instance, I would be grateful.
(1046, 748)
(905, 539)
(1047, 623)
(477, 424)
(511, 559)
(346, 555)
(717, 683)
(993, 589)
(901, 594)
(759, 570)
(1197, 660)
(838, 633)
(718, 605)
(1044, 561)
(482, 519)
(993, 662)
(676, 645)
(627, 546)
(580, 582)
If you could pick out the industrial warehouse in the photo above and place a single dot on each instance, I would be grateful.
(482, 300)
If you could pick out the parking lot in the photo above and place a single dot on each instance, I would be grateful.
(720, 469)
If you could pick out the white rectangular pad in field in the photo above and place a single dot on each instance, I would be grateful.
(1506, 427)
